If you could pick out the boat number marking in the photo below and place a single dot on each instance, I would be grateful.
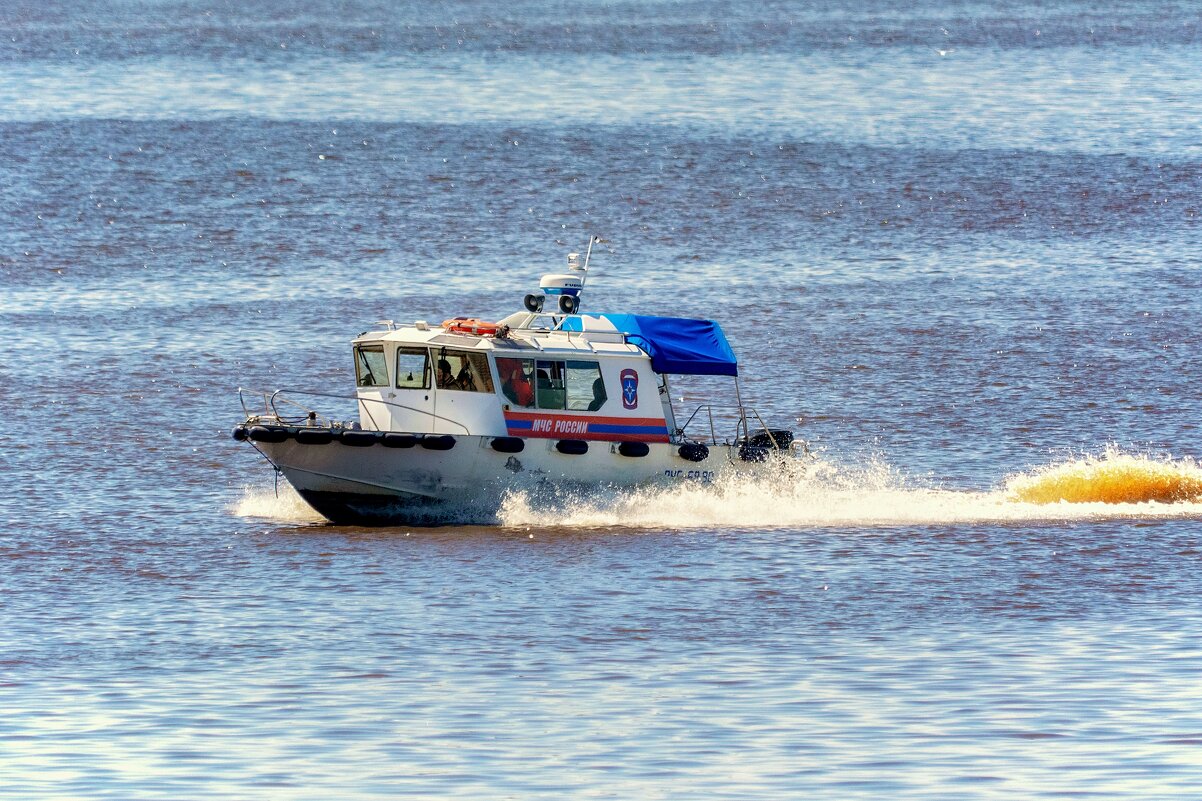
(691, 475)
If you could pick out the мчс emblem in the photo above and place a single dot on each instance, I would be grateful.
(630, 389)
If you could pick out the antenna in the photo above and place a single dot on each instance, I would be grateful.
(588, 253)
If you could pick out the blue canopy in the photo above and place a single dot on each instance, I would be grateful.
(677, 345)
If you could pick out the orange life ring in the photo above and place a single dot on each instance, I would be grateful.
(470, 325)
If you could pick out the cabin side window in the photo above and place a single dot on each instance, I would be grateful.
(371, 370)
(463, 370)
(412, 368)
(551, 384)
(585, 387)
(548, 384)
(516, 385)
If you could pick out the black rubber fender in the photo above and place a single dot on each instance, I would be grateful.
(750, 453)
(394, 440)
(572, 447)
(694, 452)
(508, 444)
(441, 443)
(314, 436)
(780, 439)
(268, 434)
(240, 434)
(634, 449)
(358, 439)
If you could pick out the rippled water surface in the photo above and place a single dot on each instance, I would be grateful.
(955, 247)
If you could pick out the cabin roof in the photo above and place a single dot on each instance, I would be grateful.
(677, 345)
(527, 342)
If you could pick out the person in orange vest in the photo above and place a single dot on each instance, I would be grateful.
(517, 387)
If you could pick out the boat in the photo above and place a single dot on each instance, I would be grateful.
(452, 417)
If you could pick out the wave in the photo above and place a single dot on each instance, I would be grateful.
(283, 504)
(1114, 485)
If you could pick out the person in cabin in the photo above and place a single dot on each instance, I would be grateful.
(599, 396)
(517, 387)
(445, 379)
(463, 379)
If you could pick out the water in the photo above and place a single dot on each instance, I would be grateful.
(960, 243)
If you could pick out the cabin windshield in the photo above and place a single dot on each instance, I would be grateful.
(371, 369)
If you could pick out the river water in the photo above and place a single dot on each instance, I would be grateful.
(956, 247)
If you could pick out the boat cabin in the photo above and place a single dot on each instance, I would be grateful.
(565, 376)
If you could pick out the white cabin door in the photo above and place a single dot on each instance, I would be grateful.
(410, 400)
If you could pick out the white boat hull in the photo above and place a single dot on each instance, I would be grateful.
(380, 485)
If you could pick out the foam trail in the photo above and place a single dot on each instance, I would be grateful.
(825, 495)
(286, 506)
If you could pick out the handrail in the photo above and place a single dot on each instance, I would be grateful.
(709, 409)
(268, 400)
(742, 412)
(310, 415)
(242, 400)
(466, 430)
(763, 425)
(280, 396)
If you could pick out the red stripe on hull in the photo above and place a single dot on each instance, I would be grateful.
(562, 426)
(599, 436)
(590, 418)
